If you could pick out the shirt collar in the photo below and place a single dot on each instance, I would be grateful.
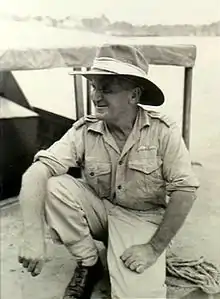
(95, 125)
(143, 118)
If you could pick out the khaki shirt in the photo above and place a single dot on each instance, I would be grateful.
(153, 163)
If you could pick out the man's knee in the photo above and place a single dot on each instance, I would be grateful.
(53, 185)
(60, 199)
(61, 188)
(66, 189)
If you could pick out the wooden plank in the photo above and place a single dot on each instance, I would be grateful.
(78, 95)
(187, 106)
(88, 98)
(31, 59)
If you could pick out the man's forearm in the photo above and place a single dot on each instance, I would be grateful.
(32, 197)
(178, 208)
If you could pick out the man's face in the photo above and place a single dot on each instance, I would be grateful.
(111, 96)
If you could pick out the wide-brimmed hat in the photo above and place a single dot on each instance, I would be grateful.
(129, 62)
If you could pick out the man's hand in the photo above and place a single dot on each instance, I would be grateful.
(139, 257)
(32, 254)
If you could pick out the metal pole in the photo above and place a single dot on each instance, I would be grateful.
(78, 94)
(187, 105)
(88, 97)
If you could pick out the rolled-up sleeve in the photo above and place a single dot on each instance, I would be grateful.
(177, 169)
(65, 153)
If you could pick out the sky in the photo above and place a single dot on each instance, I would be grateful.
(134, 11)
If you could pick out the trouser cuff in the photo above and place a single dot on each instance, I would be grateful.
(84, 251)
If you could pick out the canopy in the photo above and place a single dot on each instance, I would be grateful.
(10, 109)
(18, 141)
(30, 45)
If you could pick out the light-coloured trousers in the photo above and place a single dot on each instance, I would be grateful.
(78, 217)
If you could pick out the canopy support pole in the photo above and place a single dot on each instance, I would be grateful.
(88, 97)
(187, 105)
(78, 95)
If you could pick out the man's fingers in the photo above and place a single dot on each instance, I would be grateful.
(125, 255)
(134, 265)
(31, 266)
(140, 269)
(129, 261)
(38, 268)
(20, 259)
(25, 263)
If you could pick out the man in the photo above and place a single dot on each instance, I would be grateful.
(136, 191)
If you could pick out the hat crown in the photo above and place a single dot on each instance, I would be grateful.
(125, 54)
(125, 60)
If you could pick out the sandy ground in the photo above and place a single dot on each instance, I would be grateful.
(50, 284)
(199, 237)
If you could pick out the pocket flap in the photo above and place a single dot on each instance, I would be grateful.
(96, 168)
(145, 165)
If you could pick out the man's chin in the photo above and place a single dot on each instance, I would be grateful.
(101, 114)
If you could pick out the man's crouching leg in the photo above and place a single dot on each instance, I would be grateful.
(77, 216)
(128, 228)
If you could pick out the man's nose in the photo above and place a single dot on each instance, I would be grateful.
(97, 96)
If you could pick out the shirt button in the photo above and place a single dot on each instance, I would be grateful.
(120, 163)
(92, 173)
(119, 187)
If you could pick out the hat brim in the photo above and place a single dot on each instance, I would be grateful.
(152, 95)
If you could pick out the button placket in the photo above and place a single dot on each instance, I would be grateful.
(119, 177)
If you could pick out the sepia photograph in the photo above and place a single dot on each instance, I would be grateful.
(110, 149)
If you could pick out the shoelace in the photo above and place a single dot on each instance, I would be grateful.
(76, 285)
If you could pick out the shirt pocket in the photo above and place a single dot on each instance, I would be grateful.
(147, 162)
(98, 176)
(145, 179)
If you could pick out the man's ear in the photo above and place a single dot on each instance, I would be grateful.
(136, 94)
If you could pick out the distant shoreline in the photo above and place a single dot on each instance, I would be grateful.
(102, 25)
(144, 35)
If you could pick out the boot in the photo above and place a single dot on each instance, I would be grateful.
(83, 281)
